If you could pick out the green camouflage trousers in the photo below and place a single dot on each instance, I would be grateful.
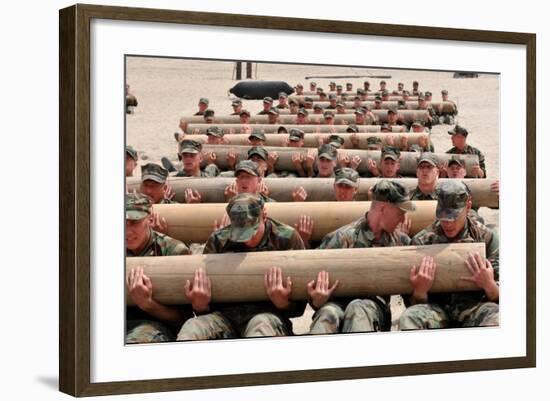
(147, 331)
(432, 316)
(360, 315)
(217, 326)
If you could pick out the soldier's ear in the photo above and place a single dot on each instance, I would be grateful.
(264, 214)
(469, 203)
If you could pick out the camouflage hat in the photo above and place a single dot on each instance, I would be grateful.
(328, 113)
(303, 111)
(308, 100)
(332, 96)
(320, 90)
(332, 83)
(374, 141)
(282, 129)
(274, 111)
(357, 97)
(418, 123)
(428, 158)
(204, 100)
(382, 82)
(390, 152)
(349, 84)
(244, 113)
(339, 87)
(393, 192)
(245, 212)
(416, 148)
(236, 102)
(248, 166)
(378, 98)
(295, 135)
(313, 83)
(360, 110)
(421, 97)
(406, 92)
(444, 92)
(340, 104)
(415, 82)
(283, 94)
(259, 151)
(352, 128)
(327, 151)
(138, 206)
(458, 130)
(209, 113)
(336, 141)
(257, 133)
(452, 197)
(215, 131)
(385, 93)
(190, 146)
(347, 176)
(299, 86)
(458, 160)
(267, 99)
(292, 101)
(317, 107)
(154, 172)
(130, 151)
(391, 111)
(427, 93)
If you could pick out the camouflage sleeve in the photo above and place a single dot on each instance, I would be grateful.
(296, 242)
(492, 252)
(180, 249)
(482, 163)
(212, 245)
(335, 240)
(421, 239)
(212, 170)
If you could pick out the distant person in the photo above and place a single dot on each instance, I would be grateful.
(203, 105)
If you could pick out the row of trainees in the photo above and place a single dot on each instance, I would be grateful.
(362, 110)
(326, 159)
(250, 229)
(383, 88)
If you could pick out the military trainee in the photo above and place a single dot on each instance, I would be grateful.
(459, 309)
(375, 229)
(148, 321)
(458, 137)
(250, 230)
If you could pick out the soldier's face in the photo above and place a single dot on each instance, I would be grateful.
(300, 118)
(214, 140)
(427, 173)
(359, 119)
(191, 161)
(293, 108)
(152, 189)
(202, 107)
(248, 183)
(326, 166)
(459, 141)
(400, 87)
(453, 227)
(296, 144)
(282, 100)
(262, 164)
(272, 118)
(357, 102)
(455, 170)
(392, 118)
(391, 217)
(421, 104)
(340, 109)
(130, 166)
(299, 91)
(237, 108)
(444, 97)
(418, 128)
(244, 119)
(405, 97)
(137, 233)
(344, 193)
(255, 142)
(329, 120)
(267, 106)
(389, 167)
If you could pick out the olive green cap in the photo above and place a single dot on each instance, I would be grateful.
(327, 151)
(257, 133)
(154, 172)
(347, 176)
(132, 152)
(336, 141)
(393, 192)
(190, 146)
(295, 135)
(258, 150)
(458, 130)
(452, 197)
(352, 128)
(244, 211)
(215, 131)
(390, 152)
(204, 100)
(248, 166)
(138, 206)
(428, 158)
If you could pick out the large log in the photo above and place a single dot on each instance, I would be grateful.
(448, 107)
(349, 95)
(284, 163)
(311, 140)
(274, 128)
(192, 223)
(318, 189)
(382, 115)
(239, 277)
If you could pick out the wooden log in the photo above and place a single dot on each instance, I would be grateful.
(318, 189)
(382, 115)
(349, 96)
(239, 277)
(284, 163)
(195, 129)
(448, 107)
(192, 223)
(311, 140)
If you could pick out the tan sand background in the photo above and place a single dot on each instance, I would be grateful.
(168, 89)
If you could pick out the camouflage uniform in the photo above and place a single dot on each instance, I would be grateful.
(348, 315)
(205, 101)
(458, 309)
(468, 150)
(140, 326)
(192, 146)
(246, 319)
(156, 173)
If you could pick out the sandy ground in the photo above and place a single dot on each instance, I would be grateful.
(168, 89)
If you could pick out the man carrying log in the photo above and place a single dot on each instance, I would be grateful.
(376, 229)
(460, 147)
(203, 105)
(130, 161)
(191, 156)
(250, 230)
(461, 309)
(267, 105)
(148, 321)
(389, 164)
(237, 105)
(445, 117)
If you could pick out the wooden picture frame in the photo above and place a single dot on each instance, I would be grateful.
(74, 204)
